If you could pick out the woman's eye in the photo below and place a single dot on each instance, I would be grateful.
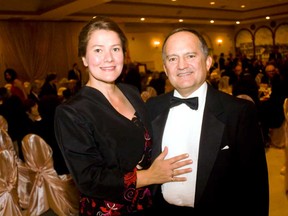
(97, 50)
(116, 49)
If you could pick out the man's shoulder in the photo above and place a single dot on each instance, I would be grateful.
(159, 99)
(158, 104)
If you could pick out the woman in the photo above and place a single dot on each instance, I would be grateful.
(104, 134)
(17, 86)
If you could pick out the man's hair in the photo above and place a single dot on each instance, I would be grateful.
(204, 45)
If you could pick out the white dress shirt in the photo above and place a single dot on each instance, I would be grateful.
(182, 135)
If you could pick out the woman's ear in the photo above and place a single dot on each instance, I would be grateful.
(84, 62)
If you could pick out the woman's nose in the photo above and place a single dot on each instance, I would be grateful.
(108, 57)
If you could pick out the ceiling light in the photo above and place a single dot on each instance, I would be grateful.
(267, 17)
(142, 19)
(237, 22)
(211, 21)
(243, 6)
(181, 20)
(212, 3)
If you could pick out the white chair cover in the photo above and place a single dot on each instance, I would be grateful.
(246, 97)
(24, 183)
(285, 107)
(6, 141)
(9, 203)
(3, 123)
(224, 86)
(49, 190)
(278, 136)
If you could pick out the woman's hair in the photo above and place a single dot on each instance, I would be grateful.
(203, 43)
(99, 23)
(12, 74)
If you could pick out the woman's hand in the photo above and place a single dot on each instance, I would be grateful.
(164, 170)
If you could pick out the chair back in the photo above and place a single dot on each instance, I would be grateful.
(3, 123)
(224, 86)
(6, 142)
(246, 97)
(24, 182)
(36, 152)
(49, 190)
(285, 108)
(9, 202)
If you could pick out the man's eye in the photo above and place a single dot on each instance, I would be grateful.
(173, 59)
(97, 50)
(190, 56)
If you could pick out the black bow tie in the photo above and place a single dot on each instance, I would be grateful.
(191, 102)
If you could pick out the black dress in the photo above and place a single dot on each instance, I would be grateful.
(103, 150)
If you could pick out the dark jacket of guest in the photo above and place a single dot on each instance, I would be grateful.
(49, 87)
(230, 180)
(272, 109)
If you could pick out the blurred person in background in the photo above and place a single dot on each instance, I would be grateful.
(17, 87)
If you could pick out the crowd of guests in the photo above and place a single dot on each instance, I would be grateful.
(265, 83)
(29, 108)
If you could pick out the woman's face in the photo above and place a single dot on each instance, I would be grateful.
(104, 57)
(8, 77)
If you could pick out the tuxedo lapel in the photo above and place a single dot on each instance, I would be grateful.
(210, 140)
(161, 111)
(158, 126)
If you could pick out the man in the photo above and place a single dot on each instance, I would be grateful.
(220, 133)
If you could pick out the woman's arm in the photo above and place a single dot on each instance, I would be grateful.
(164, 170)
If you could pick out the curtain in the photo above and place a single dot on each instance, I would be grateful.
(35, 49)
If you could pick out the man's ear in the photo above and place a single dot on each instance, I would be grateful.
(208, 62)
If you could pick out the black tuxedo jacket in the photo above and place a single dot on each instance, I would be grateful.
(232, 176)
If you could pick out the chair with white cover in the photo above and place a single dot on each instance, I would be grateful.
(277, 135)
(246, 97)
(9, 201)
(6, 142)
(285, 108)
(49, 190)
(24, 182)
(3, 123)
(224, 85)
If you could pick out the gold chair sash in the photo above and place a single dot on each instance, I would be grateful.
(24, 182)
(9, 202)
(49, 189)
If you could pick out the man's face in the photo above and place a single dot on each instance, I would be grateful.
(185, 63)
